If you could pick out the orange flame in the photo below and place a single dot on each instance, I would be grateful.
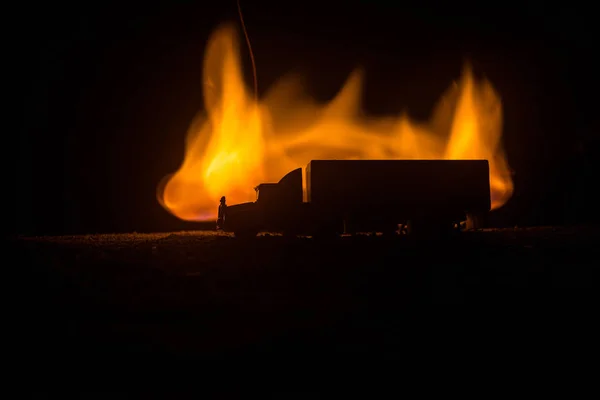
(239, 142)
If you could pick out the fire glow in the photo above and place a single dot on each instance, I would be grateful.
(239, 142)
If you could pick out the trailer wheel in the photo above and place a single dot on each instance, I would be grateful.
(390, 230)
(432, 228)
(290, 234)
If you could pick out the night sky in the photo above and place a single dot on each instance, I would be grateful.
(108, 92)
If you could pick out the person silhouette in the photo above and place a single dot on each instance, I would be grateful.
(222, 213)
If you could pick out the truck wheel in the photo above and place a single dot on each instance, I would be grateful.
(245, 234)
(326, 234)
(329, 229)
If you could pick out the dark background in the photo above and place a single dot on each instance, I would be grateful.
(108, 91)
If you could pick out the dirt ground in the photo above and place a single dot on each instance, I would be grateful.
(141, 307)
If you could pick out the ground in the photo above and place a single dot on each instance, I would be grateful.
(160, 303)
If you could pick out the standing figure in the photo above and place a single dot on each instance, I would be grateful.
(222, 213)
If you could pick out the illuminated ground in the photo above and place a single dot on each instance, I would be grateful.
(159, 302)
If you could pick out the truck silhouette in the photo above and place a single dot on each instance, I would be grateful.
(349, 196)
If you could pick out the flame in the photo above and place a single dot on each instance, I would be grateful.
(240, 142)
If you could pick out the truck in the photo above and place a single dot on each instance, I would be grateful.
(337, 197)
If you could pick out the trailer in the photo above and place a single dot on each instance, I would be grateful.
(349, 196)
